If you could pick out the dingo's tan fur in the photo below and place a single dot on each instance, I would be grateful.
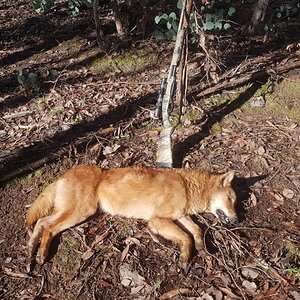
(159, 196)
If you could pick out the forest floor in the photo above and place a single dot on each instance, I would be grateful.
(86, 117)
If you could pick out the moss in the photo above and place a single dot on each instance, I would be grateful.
(231, 119)
(38, 173)
(216, 128)
(125, 63)
(285, 100)
(227, 98)
(67, 259)
(194, 115)
(89, 54)
(280, 108)
(19, 180)
(263, 90)
(294, 270)
(293, 250)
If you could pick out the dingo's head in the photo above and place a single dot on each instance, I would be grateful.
(222, 201)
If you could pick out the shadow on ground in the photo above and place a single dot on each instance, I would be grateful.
(39, 150)
(215, 116)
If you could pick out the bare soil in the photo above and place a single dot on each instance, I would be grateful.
(83, 117)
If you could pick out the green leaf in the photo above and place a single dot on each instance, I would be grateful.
(208, 18)
(231, 11)
(208, 26)
(21, 79)
(53, 73)
(179, 4)
(32, 77)
(159, 35)
(218, 25)
(169, 25)
(170, 35)
(288, 6)
(226, 26)
(173, 16)
(221, 13)
(157, 19)
(164, 16)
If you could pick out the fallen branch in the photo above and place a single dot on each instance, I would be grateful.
(268, 66)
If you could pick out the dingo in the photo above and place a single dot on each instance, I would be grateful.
(159, 196)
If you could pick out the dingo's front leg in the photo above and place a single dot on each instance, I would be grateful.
(169, 230)
(194, 229)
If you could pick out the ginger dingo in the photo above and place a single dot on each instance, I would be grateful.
(163, 197)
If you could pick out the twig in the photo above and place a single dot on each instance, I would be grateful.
(38, 294)
(17, 115)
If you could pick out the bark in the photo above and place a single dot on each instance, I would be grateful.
(259, 15)
(99, 32)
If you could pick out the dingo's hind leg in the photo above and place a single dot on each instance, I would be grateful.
(36, 235)
(56, 224)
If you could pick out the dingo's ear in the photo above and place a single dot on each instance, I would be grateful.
(225, 179)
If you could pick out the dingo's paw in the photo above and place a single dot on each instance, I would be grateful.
(199, 245)
(185, 266)
(40, 259)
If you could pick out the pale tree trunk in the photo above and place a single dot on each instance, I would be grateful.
(121, 29)
(259, 15)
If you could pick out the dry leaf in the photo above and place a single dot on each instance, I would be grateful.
(229, 293)
(253, 200)
(173, 293)
(288, 193)
(207, 297)
(87, 254)
(258, 101)
(295, 295)
(124, 252)
(295, 180)
(129, 277)
(261, 150)
(215, 292)
(136, 289)
(277, 200)
(249, 286)
(109, 150)
(249, 273)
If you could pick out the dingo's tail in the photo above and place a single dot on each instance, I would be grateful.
(42, 205)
